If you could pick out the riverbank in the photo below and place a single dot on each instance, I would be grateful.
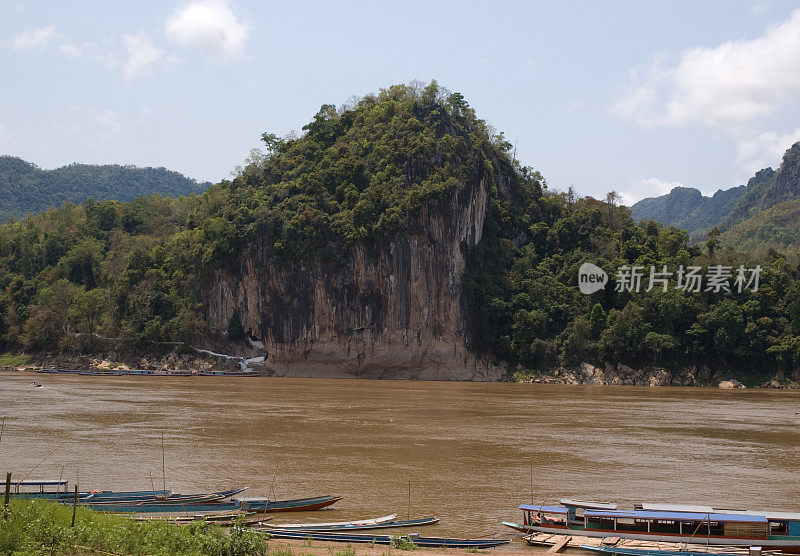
(586, 374)
(41, 527)
(37, 526)
(612, 374)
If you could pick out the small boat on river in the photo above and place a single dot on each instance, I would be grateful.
(622, 551)
(165, 501)
(697, 525)
(260, 505)
(386, 522)
(426, 542)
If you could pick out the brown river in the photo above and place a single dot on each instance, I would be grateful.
(471, 452)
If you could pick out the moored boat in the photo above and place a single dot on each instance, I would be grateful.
(363, 525)
(621, 551)
(260, 505)
(425, 542)
(699, 525)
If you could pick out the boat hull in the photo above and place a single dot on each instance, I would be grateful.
(358, 527)
(426, 542)
(261, 506)
(778, 544)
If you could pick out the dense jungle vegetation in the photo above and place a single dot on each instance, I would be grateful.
(136, 269)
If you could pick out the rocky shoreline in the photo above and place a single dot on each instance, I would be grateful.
(612, 374)
(207, 362)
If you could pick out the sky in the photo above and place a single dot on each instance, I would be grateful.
(632, 96)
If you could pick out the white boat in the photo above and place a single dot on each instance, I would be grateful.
(360, 523)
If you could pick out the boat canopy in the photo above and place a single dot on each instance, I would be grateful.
(544, 509)
(676, 516)
(772, 516)
(676, 508)
(588, 505)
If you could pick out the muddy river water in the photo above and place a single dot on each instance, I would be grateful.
(471, 452)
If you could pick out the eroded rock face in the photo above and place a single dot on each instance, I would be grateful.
(394, 309)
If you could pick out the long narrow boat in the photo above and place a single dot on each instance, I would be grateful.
(355, 526)
(132, 497)
(699, 525)
(248, 519)
(370, 521)
(620, 551)
(426, 542)
(100, 498)
(261, 505)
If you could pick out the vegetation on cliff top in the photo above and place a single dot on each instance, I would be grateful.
(137, 270)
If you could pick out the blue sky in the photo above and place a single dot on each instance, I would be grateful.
(632, 96)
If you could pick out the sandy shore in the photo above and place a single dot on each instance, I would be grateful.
(320, 548)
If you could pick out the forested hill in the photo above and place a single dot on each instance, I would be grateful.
(764, 213)
(26, 188)
(688, 209)
(396, 237)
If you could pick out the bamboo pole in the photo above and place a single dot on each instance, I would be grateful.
(74, 505)
(7, 495)
(163, 463)
(408, 514)
(41, 461)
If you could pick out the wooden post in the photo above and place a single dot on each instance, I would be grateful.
(7, 495)
(409, 501)
(74, 505)
(163, 463)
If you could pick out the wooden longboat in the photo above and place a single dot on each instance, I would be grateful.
(621, 551)
(299, 504)
(426, 542)
(354, 526)
(261, 505)
(369, 521)
(697, 525)
(170, 498)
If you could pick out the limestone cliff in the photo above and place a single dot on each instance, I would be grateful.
(394, 309)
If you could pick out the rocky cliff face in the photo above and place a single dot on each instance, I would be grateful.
(394, 310)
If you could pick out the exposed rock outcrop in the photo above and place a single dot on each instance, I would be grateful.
(393, 309)
(623, 375)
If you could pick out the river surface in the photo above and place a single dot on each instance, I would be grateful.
(471, 452)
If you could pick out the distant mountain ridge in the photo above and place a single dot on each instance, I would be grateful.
(25, 188)
(763, 213)
(687, 208)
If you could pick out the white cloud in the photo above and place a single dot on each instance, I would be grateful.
(209, 26)
(109, 124)
(765, 149)
(74, 50)
(649, 187)
(5, 138)
(141, 55)
(729, 86)
(736, 86)
(33, 39)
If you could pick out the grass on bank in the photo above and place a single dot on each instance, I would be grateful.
(14, 359)
(41, 527)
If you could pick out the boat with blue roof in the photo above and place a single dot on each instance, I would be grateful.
(699, 525)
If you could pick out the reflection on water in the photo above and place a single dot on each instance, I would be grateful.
(472, 452)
